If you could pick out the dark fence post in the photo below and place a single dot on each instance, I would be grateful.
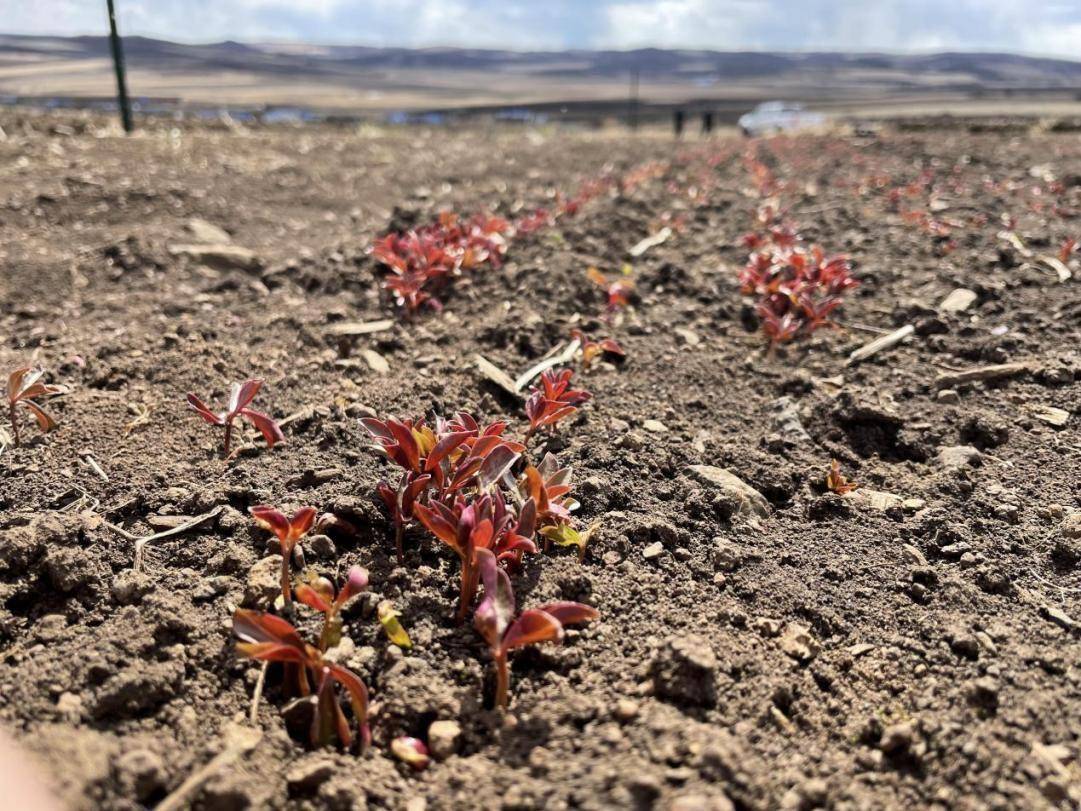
(707, 122)
(118, 64)
(677, 122)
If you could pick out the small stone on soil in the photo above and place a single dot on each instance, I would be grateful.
(956, 456)
(443, 738)
(684, 671)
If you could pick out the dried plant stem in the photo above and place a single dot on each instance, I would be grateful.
(253, 715)
(228, 439)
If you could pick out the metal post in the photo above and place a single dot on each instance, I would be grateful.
(118, 63)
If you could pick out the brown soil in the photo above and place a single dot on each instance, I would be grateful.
(828, 654)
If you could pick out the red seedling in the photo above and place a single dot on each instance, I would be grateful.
(456, 455)
(495, 621)
(836, 481)
(617, 293)
(241, 396)
(272, 639)
(547, 487)
(555, 400)
(482, 524)
(24, 385)
(319, 594)
(289, 532)
(592, 349)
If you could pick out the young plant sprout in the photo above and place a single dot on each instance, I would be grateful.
(388, 618)
(617, 293)
(319, 594)
(241, 396)
(289, 532)
(469, 527)
(548, 486)
(495, 621)
(271, 639)
(593, 349)
(567, 535)
(555, 400)
(455, 455)
(24, 385)
(836, 481)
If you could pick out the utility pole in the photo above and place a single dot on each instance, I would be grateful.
(118, 64)
(632, 111)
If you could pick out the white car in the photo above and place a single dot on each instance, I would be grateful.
(778, 116)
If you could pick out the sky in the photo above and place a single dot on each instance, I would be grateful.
(1041, 27)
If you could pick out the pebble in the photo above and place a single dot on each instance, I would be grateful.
(655, 426)
(955, 456)
(443, 738)
(376, 362)
(983, 692)
(948, 396)
(626, 710)
(654, 550)
(264, 582)
(798, 642)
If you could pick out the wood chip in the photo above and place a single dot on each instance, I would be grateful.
(1057, 417)
(880, 344)
(1061, 270)
(352, 329)
(651, 242)
(999, 371)
(496, 375)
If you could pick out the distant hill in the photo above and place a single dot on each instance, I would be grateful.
(366, 78)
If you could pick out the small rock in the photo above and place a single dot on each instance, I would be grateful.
(443, 738)
(742, 497)
(689, 337)
(948, 396)
(913, 505)
(654, 550)
(958, 300)
(1070, 528)
(956, 456)
(321, 546)
(376, 362)
(128, 587)
(964, 644)
(655, 426)
(626, 710)
(798, 643)
(219, 256)
(632, 441)
(264, 582)
(684, 671)
(872, 499)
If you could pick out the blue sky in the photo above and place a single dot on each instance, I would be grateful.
(1051, 27)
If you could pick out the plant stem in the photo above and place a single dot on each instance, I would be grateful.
(14, 423)
(287, 592)
(467, 590)
(502, 680)
(228, 438)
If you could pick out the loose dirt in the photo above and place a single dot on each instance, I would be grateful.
(912, 644)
